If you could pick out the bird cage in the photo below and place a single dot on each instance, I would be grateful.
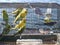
(34, 20)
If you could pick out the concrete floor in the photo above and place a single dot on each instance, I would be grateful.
(13, 43)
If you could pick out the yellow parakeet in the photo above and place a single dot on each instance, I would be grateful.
(17, 11)
(21, 24)
(47, 20)
(14, 12)
(22, 14)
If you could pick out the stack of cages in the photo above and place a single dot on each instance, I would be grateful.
(31, 23)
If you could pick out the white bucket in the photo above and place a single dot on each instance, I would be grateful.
(29, 42)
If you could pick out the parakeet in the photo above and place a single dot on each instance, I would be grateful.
(20, 31)
(22, 21)
(21, 27)
(48, 15)
(7, 26)
(5, 16)
(17, 11)
(21, 24)
(47, 20)
(22, 14)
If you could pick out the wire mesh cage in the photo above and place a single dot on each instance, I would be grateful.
(34, 20)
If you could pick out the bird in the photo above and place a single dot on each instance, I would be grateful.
(21, 24)
(5, 16)
(47, 19)
(22, 14)
(7, 27)
(17, 11)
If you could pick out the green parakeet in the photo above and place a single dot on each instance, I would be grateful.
(5, 19)
(5, 16)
